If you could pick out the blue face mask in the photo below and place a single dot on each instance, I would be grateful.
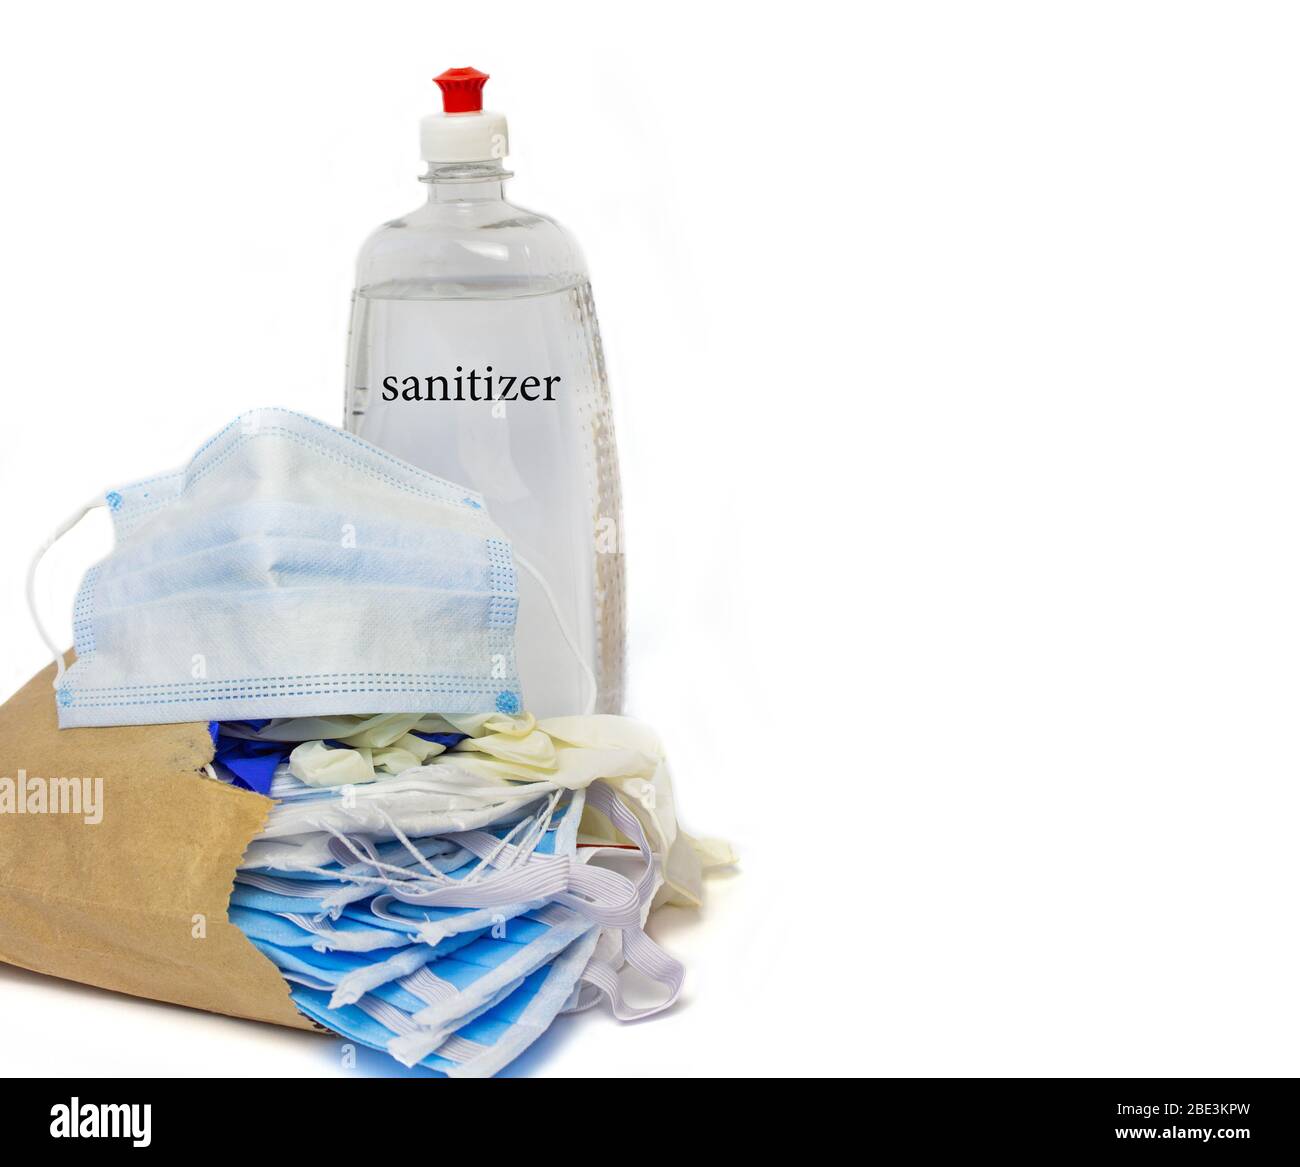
(291, 569)
(483, 1044)
(415, 980)
(323, 971)
(296, 931)
(466, 960)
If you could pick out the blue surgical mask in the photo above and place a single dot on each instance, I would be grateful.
(483, 1044)
(291, 569)
(522, 880)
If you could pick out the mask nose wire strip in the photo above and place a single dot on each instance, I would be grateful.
(63, 528)
(565, 631)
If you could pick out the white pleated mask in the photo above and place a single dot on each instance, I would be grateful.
(289, 570)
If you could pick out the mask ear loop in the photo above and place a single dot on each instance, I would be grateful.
(565, 631)
(59, 666)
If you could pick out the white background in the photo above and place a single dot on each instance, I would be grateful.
(955, 361)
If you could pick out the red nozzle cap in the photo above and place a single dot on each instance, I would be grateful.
(462, 90)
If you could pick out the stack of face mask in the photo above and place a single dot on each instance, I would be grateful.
(430, 885)
(420, 880)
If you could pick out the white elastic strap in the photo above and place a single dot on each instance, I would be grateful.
(389, 1016)
(643, 954)
(605, 897)
(461, 1049)
(57, 653)
(431, 989)
(602, 896)
(565, 631)
(279, 887)
(639, 951)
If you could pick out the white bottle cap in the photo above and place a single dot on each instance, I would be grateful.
(465, 132)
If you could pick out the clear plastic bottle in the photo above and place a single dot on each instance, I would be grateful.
(474, 353)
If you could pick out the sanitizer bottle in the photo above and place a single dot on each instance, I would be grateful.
(474, 354)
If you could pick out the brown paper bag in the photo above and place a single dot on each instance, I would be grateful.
(136, 901)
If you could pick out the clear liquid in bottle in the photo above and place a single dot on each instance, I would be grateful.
(474, 354)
